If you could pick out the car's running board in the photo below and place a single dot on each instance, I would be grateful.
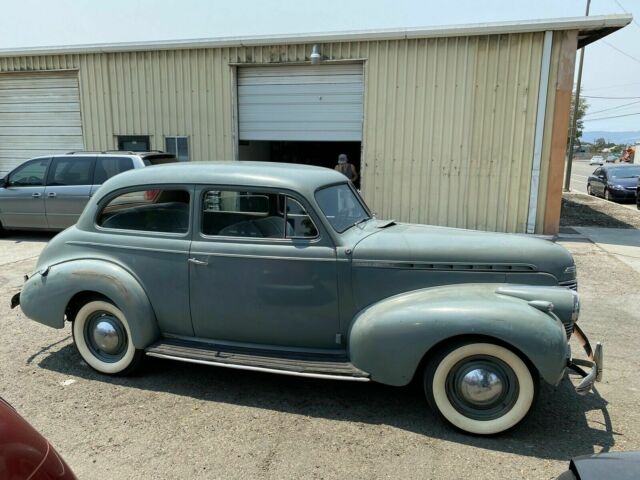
(314, 365)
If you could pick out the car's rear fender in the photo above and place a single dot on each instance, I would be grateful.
(46, 295)
(390, 338)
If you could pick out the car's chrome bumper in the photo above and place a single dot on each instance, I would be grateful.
(595, 363)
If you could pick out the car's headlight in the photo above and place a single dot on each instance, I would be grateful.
(575, 312)
(616, 187)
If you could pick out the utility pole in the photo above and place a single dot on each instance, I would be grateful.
(567, 171)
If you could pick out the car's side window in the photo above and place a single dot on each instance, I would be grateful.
(71, 171)
(598, 172)
(299, 220)
(164, 211)
(31, 174)
(107, 167)
(235, 213)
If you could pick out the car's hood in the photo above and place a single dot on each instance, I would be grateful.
(464, 249)
(625, 182)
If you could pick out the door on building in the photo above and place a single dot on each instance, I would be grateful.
(301, 114)
(40, 116)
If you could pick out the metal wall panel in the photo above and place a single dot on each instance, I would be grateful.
(448, 122)
(39, 115)
(301, 103)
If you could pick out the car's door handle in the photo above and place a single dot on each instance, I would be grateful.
(195, 261)
(36, 195)
(51, 194)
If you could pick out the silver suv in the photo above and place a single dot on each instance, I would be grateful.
(50, 192)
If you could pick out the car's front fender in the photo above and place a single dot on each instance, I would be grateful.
(45, 296)
(389, 339)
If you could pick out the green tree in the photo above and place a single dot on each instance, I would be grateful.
(599, 144)
(582, 110)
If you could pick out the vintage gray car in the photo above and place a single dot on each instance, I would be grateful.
(282, 268)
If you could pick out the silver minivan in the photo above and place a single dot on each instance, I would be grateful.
(50, 192)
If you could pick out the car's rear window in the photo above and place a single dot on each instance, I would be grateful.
(165, 211)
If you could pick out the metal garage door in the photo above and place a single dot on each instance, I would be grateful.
(308, 102)
(39, 115)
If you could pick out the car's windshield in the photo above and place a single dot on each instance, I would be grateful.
(342, 207)
(628, 172)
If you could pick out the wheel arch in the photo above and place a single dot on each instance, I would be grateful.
(59, 290)
(472, 338)
(392, 339)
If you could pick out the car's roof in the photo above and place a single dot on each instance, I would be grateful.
(234, 173)
(614, 166)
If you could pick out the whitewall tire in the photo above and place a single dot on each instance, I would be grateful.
(102, 336)
(481, 388)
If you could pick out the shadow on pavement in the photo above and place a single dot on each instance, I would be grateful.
(586, 211)
(556, 428)
(19, 237)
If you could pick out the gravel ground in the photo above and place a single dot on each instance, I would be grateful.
(580, 210)
(177, 420)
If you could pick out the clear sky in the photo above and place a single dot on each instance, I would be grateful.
(607, 71)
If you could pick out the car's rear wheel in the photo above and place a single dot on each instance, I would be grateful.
(481, 388)
(102, 336)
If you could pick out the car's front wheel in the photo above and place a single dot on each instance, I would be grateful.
(589, 189)
(607, 195)
(481, 388)
(102, 336)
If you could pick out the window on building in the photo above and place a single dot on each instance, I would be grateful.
(179, 146)
(255, 215)
(148, 210)
(71, 171)
(134, 143)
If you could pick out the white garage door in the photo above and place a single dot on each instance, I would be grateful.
(308, 102)
(39, 115)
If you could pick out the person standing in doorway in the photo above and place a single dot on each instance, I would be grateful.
(346, 168)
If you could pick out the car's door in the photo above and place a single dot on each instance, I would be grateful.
(261, 271)
(147, 230)
(596, 181)
(107, 167)
(22, 198)
(68, 188)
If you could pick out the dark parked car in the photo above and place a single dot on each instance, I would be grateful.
(24, 453)
(50, 192)
(614, 182)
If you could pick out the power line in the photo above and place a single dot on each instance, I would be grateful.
(620, 51)
(612, 108)
(614, 116)
(611, 98)
(625, 11)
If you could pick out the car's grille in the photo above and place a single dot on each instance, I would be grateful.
(572, 284)
(568, 328)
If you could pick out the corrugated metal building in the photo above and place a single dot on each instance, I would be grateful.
(460, 126)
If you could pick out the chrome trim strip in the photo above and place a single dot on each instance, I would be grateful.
(259, 369)
(125, 247)
(264, 257)
(449, 266)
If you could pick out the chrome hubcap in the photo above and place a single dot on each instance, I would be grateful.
(106, 337)
(481, 386)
